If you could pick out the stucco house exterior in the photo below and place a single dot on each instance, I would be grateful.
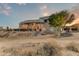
(74, 25)
(40, 24)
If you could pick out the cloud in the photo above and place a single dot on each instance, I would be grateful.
(5, 9)
(75, 10)
(6, 12)
(44, 10)
(43, 7)
(21, 4)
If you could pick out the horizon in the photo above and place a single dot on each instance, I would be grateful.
(12, 14)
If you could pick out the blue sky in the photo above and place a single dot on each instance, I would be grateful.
(11, 14)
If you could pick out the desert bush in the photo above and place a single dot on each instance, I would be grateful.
(73, 47)
(47, 50)
(14, 34)
(16, 51)
(44, 49)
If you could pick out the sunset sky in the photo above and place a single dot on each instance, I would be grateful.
(12, 14)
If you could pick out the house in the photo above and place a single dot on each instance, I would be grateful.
(40, 24)
(74, 25)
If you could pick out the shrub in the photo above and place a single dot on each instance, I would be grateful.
(73, 47)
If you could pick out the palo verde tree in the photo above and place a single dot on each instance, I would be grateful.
(58, 20)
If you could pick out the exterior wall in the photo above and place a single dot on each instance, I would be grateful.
(72, 28)
(33, 26)
(23, 26)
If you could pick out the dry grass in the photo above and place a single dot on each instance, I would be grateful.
(49, 47)
(73, 47)
(25, 44)
(33, 49)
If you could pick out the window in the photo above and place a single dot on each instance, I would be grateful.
(45, 21)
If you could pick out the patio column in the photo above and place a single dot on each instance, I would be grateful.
(70, 29)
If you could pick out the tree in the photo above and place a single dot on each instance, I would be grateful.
(7, 28)
(58, 20)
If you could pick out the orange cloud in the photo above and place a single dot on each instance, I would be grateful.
(44, 10)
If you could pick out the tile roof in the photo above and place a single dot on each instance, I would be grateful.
(32, 21)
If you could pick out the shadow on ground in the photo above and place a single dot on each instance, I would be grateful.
(66, 34)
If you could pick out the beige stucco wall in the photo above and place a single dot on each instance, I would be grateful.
(33, 26)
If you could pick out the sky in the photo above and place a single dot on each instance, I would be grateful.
(11, 14)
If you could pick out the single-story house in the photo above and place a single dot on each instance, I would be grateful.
(34, 25)
(74, 25)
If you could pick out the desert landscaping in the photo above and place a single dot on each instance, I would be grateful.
(37, 30)
(25, 44)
